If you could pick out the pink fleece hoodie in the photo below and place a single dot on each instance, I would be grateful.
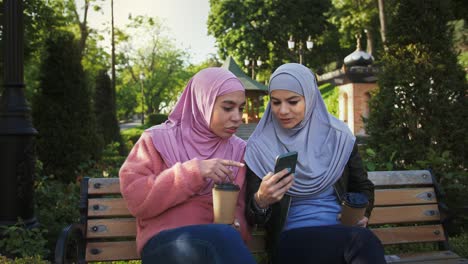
(163, 198)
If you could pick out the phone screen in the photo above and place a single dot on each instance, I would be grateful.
(286, 160)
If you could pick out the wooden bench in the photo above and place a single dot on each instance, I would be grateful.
(406, 211)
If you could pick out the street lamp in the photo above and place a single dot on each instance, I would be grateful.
(17, 133)
(309, 45)
(142, 78)
(251, 63)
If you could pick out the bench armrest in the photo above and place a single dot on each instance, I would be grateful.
(72, 237)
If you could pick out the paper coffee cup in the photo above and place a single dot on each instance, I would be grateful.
(224, 202)
(353, 208)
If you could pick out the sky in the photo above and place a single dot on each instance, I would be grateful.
(185, 19)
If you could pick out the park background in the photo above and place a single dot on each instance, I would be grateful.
(80, 90)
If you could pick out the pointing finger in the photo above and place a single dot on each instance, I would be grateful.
(232, 163)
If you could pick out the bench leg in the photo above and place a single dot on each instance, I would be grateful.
(72, 233)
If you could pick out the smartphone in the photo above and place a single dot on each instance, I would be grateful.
(286, 160)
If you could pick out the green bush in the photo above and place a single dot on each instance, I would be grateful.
(155, 119)
(460, 244)
(25, 260)
(20, 241)
(454, 182)
(372, 162)
(420, 104)
(104, 107)
(131, 136)
(121, 262)
(62, 110)
(108, 166)
(56, 206)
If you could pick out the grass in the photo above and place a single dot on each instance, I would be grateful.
(330, 95)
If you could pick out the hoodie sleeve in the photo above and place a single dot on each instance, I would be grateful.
(149, 187)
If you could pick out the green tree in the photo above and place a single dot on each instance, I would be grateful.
(62, 110)
(420, 108)
(154, 70)
(251, 29)
(355, 18)
(104, 107)
(127, 94)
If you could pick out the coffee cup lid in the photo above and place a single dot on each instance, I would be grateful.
(226, 187)
(357, 200)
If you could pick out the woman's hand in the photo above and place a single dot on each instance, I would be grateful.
(272, 189)
(218, 169)
(363, 222)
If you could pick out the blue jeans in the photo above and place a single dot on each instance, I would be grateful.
(330, 244)
(212, 243)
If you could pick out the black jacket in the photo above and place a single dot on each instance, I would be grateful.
(353, 179)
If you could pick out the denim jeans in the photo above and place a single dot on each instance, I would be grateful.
(330, 244)
(211, 243)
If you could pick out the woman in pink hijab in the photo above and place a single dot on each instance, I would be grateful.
(167, 178)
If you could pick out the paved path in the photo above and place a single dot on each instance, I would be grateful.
(244, 131)
(130, 124)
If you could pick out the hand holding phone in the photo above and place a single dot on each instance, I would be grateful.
(271, 189)
(286, 160)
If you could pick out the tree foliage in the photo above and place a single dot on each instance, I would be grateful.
(62, 110)
(355, 18)
(422, 96)
(105, 109)
(153, 72)
(252, 29)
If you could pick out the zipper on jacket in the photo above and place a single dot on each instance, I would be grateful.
(286, 215)
(338, 195)
(289, 205)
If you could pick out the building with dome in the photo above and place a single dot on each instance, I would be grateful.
(355, 81)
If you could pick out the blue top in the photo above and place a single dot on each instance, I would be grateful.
(318, 210)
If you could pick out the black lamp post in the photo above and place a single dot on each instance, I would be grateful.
(309, 45)
(250, 63)
(17, 156)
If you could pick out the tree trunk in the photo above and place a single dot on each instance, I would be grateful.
(370, 42)
(382, 22)
(113, 56)
(83, 25)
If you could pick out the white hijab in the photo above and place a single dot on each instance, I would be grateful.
(324, 143)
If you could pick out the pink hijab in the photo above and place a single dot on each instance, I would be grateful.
(186, 134)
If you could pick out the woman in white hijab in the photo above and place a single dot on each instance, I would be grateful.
(301, 211)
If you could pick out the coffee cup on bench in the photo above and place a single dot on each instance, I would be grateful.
(224, 202)
(353, 208)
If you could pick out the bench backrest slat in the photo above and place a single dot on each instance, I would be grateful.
(404, 214)
(111, 250)
(102, 207)
(399, 178)
(403, 196)
(112, 227)
(103, 186)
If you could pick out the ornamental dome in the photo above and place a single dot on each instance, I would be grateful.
(358, 57)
